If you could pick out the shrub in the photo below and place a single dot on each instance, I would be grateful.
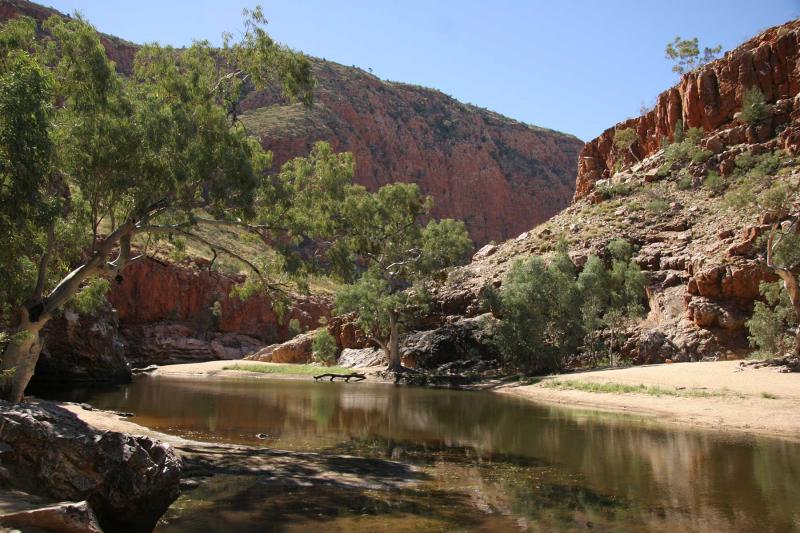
(685, 183)
(548, 311)
(91, 297)
(608, 192)
(772, 318)
(715, 183)
(657, 205)
(324, 347)
(754, 106)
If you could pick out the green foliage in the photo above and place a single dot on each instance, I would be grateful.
(549, 310)
(678, 136)
(91, 297)
(142, 157)
(444, 243)
(620, 250)
(26, 89)
(685, 54)
(715, 183)
(771, 321)
(615, 190)
(216, 314)
(684, 183)
(656, 205)
(294, 327)
(400, 255)
(531, 323)
(324, 347)
(625, 138)
(754, 106)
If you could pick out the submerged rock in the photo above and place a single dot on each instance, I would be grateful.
(129, 481)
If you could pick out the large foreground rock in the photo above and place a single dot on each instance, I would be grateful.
(129, 481)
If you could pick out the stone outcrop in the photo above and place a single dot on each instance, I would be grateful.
(461, 339)
(182, 313)
(296, 350)
(83, 349)
(129, 481)
(709, 98)
(499, 175)
(362, 358)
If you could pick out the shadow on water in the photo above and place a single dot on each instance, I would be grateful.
(404, 459)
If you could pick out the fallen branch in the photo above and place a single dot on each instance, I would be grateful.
(346, 377)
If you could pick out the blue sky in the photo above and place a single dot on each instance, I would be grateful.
(578, 66)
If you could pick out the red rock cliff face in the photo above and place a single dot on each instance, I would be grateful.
(501, 176)
(706, 98)
(151, 292)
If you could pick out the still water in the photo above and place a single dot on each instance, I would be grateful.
(484, 462)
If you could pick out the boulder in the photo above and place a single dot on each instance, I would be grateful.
(129, 481)
(297, 350)
(362, 358)
(464, 338)
(83, 349)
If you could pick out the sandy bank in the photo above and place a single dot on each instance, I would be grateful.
(715, 395)
(216, 369)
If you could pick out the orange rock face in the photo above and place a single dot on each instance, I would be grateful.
(152, 292)
(501, 176)
(706, 98)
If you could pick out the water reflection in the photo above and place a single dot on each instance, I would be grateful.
(498, 462)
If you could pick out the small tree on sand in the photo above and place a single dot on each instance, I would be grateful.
(398, 253)
(94, 167)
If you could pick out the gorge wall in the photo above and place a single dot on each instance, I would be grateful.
(706, 98)
(499, 175)
(167, 313)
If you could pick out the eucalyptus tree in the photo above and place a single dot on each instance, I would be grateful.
(399, 253)
(94, 166)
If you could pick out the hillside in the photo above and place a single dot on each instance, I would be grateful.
(701, 255)
(499, 175)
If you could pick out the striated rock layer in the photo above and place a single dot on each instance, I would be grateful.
(706, 98)
(499, 175)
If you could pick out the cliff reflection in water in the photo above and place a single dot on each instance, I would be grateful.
(539, 464)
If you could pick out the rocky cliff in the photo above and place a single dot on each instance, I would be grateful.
(180, 313)
(499, 175)
(706, 98)
(700, 254)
